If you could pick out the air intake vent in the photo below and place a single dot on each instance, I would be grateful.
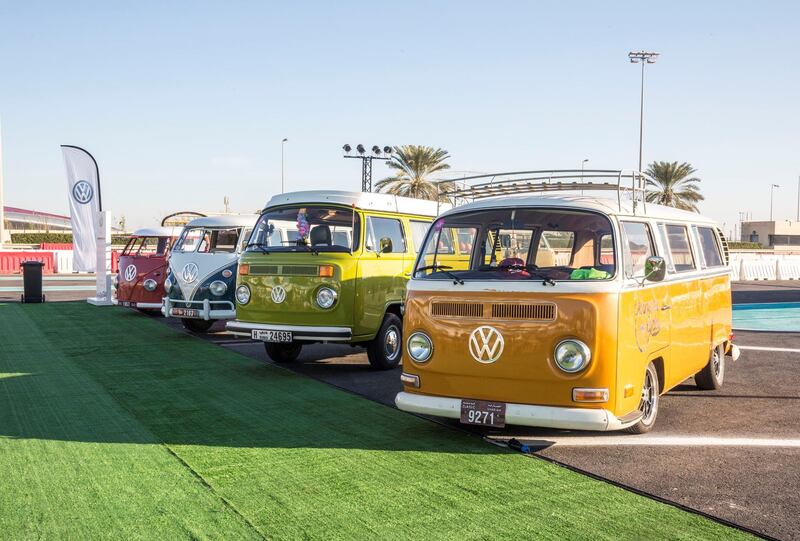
(300, 270)
(263, 269)
(543, 312)
(457, 309)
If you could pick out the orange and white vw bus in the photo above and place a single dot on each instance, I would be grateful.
(572, 311)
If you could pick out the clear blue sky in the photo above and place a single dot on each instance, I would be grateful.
(183, 103)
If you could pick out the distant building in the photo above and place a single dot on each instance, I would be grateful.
(779, 235)
(33, 221)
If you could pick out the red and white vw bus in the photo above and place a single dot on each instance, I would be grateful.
(139, 282)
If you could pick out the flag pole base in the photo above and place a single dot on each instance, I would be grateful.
(99, 301)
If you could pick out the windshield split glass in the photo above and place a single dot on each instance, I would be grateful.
(505, 244)
(208, 241)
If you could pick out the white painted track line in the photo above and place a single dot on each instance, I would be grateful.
(658, 441)
(763, 348)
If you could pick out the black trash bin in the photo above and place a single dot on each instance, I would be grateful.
(32, 281)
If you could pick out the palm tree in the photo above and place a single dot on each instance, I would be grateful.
(673, 185)
(414, 165)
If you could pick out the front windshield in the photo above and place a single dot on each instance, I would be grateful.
(208, 240)
(146, 246)
(527, 243)
(305, 228)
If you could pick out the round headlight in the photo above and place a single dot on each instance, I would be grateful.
(572, 355)
(243, 294)
(218, 288)
(326, 297)
(167, 284)
(420, 347)
(150, 284)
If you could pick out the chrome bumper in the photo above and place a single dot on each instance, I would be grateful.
(299, 332)
(519, 414)
(207, 309)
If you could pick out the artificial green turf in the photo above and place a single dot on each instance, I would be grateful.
(113, 425)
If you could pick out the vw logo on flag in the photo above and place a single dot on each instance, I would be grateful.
(82, 192)
(278, 294)
(190, 272)
(130, 273)
(486, 344)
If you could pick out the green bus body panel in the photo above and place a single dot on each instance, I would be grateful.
(366, 284)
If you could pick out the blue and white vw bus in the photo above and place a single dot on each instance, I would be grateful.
(202, 270)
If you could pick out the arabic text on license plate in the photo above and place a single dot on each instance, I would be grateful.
(481, 412)
(272, 336)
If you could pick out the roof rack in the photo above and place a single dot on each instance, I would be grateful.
(555, 180)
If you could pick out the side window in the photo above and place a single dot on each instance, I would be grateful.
(709, 247)
(380, 228)
(606, 250)
(662, 232)
(638, 246)
(679, 248)
(418, 230)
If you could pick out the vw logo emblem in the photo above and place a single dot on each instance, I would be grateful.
(82, 192)
(278, 294)
(190, 272)
(486, 344)
(130, 273)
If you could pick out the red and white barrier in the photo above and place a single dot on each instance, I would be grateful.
(10, 261)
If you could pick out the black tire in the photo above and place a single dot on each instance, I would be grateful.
(386, 349)
(710, 378)
(283, 353)
(651, 389)
(197, 325)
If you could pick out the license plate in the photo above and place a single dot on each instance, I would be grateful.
(271, 336)
(481, 412)
(185, 312)
(128, 304)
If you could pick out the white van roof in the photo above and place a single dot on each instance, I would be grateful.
(157, 232)
(608, 206)
(366, 201)
(225, 220)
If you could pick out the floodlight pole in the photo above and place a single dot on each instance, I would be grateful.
(771, 198)
(366, 165)
(283, 143)
(642, 57)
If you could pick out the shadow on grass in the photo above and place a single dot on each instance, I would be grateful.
(94, 371)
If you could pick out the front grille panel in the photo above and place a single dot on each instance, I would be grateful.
(541, 312)
(263, 269)
(457, 309)
(299, 270)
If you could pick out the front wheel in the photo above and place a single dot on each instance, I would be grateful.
(197, 325)
(385, 350)
(649, 403)
(283, 353)
(711, 376)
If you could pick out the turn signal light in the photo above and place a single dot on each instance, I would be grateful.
(590, 395)
(410, 379)
(244, 269)
(326, 271)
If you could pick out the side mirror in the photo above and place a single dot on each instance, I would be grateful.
(655, 268)
(385, 245)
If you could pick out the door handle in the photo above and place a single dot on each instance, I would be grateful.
(407, 273)
(666, 307)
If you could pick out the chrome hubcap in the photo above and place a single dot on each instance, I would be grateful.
(648, 404)
(717, 364)
(391, 344)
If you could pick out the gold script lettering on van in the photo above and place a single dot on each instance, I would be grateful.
(330, 267)
(560, 310)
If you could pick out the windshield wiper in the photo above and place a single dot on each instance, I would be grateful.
(443, 269)
(532, 271)
(259, 245)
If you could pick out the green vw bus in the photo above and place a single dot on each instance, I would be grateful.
(330, 267)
